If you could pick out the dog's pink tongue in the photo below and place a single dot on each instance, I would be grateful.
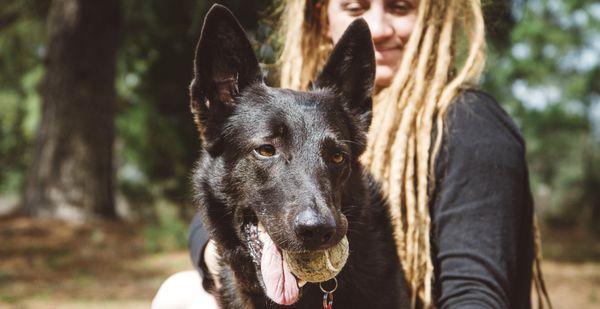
(280, 283)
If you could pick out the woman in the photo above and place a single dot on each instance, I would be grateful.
(449, 159)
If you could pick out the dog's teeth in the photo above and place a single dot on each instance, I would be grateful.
(301, 283)
(261, 228)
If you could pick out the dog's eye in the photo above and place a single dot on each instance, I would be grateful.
(338, 158)
(265, 151)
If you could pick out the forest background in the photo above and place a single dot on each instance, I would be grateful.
(97, 141)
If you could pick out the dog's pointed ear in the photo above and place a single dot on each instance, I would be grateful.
(224, 65)
(350, 68)
(224, 62)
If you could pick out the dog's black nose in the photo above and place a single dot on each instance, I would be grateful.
(314, 230)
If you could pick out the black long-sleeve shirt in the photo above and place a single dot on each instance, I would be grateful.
(481, 210)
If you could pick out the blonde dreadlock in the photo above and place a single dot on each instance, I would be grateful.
(401, 152)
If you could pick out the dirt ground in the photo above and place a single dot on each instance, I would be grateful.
(49, 264)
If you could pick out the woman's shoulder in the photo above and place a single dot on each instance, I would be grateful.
(476, 117)
(478, 130)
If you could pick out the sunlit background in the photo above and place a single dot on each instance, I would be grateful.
(543, 67)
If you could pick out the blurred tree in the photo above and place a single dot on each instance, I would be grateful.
(71, 175)
(548, 78)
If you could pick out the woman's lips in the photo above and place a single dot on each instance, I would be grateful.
(387, 54)
(385, 49)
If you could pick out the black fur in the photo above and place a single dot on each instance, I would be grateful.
(236, 113)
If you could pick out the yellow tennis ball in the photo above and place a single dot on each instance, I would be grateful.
(318, 266)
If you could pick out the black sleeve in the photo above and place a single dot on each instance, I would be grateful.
(481, 210)
(197, 240)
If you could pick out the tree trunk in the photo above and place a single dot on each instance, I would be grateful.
(72, 175)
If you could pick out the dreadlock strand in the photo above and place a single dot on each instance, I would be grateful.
(537, 275)
(291, 58)
(411, 230)
(396, 194)
(425, 178)
(398, 165)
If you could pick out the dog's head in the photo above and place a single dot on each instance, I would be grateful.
(281, 159)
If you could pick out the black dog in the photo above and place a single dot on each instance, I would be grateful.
(288, 161)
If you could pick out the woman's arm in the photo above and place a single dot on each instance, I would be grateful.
(481, 210)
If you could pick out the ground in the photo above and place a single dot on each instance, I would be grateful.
(50, 264)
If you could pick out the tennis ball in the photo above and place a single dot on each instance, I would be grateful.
(318, 266)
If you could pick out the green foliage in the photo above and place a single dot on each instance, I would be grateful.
(169, 232)
(19, 115)
(549, 81)
(21, 49)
